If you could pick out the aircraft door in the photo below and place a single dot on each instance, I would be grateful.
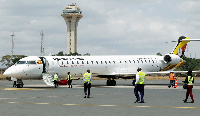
(45, 64)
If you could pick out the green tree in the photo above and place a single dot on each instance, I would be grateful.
(86, 54)
(61, 53)
(9, 60)
(190, 64)
(71, 54)
(159, 54)
(74, 54)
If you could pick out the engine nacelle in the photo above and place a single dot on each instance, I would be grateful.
(172, 59)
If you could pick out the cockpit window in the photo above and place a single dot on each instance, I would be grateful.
(31, 62)
(21, 62)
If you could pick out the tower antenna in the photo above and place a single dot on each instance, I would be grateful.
(12, 51)
(42, 43)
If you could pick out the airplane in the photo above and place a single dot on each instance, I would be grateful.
(111, 67)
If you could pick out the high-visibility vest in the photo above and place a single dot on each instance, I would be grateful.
(141, 78)
(56, 77)
(190, 79)
(87, 77)
(69, 77)
(171, 76)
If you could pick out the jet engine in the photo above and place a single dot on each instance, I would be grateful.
(172, 59)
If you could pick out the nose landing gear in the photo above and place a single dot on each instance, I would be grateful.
(19, 83)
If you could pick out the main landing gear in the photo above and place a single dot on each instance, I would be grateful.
(111, 82)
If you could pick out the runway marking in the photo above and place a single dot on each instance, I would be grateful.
(13, 102)
(20, 89)
(70, 104)
(171, 107)
(107, 105)
(7, 98)
(41, 103)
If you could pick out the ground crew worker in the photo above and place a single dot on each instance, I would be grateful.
(87, 83)
(139, 85)
(69, 78)
(189, 80)
(55, 80)
(172, 79)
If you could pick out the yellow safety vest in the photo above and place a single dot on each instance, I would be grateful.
(69, 77)
(87, 77)
(56, 77)
(141, 78)
(190, 79)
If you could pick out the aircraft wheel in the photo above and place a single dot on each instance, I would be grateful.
(111, 82)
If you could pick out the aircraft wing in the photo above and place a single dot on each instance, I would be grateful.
(168, 72)
(161, 72)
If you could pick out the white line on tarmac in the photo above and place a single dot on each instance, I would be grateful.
(102, 105)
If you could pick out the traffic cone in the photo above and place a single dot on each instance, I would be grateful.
(176, 84)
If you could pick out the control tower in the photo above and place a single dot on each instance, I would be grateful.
(71, 14)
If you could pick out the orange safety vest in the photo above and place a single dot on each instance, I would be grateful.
(171, 76)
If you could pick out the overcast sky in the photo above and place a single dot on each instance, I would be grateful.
(108, 27)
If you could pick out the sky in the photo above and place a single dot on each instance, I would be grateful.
(108, 27)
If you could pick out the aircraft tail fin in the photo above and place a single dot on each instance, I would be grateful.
(181, 46)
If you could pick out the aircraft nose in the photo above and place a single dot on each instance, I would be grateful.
(8, 72)
(13, 71)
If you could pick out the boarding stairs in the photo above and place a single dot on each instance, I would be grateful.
(48, 79)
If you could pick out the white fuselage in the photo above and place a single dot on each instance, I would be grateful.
(77, 65)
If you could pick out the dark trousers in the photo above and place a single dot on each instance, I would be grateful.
(70, 83)
(172, 82)
(140, 88)
(87, 89)
(189, 92)
(55, 83)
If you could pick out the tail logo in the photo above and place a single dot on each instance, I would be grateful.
(181, 46)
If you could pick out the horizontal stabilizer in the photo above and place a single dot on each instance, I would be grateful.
(190, 40)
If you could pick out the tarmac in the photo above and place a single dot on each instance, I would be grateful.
(36, 98)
